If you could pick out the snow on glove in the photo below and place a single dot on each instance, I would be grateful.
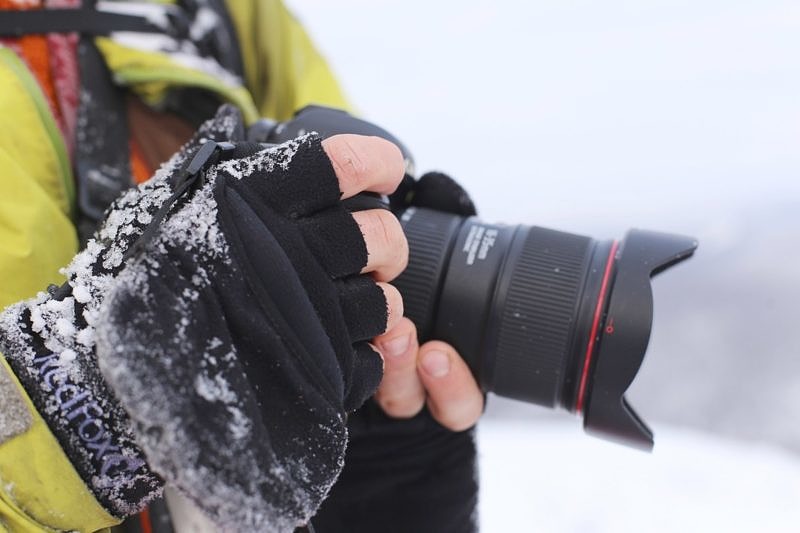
(49, 342)
(229, 320)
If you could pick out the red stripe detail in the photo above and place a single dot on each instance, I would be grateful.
(144, 521)
(598, 312)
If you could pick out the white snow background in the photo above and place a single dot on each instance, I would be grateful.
(594, 117)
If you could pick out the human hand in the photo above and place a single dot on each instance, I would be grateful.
(228, 310)
(398, 463)
(432, 374)
(413, 375)
(373, 164)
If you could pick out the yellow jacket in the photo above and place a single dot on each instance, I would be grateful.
(39, 488)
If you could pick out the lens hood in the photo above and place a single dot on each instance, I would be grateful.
(625, 334)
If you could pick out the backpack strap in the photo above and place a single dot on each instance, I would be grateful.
(83, 20)
(102, 155)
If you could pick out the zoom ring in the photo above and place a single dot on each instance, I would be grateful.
(538, 315)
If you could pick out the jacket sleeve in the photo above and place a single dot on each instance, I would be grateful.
(403, 475)
(283, 71)
(37, 236)
(39, 488)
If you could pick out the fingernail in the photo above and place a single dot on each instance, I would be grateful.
(397, 346)
(436, 363)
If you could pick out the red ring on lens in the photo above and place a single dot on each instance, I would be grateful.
(598, 313)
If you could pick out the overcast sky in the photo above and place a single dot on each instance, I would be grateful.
(592, 117)
(578, 113)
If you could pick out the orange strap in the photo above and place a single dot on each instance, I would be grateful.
(34, 51)
(144, 521)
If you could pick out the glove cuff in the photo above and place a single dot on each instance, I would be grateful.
(46, 489)
(51, 355)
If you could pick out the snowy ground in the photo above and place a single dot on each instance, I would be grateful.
(593, 117)
(549, 478)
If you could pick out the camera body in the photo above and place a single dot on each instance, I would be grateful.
(539, 315)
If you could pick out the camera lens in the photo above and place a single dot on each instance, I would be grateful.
(542, 316)
(539, 315)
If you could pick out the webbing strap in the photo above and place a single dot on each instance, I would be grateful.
(86, 21)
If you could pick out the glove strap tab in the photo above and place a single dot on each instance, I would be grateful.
(208, 155)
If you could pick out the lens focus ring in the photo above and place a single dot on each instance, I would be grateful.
(538, 315)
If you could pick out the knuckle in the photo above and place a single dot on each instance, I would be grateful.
(350, 164)
(392, 231)
(365, 163)
(387, 245)
(394, 304)
(451, 418)
(397, 164)
(394, 241)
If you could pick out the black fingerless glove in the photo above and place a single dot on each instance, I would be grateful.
(412, 474)
(222, 304)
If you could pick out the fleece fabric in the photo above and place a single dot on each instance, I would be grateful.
(233, 337)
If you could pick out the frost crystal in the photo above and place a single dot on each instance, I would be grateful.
(212, 452)
(50, 345)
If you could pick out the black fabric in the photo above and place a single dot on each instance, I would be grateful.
(433, 190)
(403, 476)
(50, 342)
(214, 344)
(87, 21)
(102, 165)
(361, 298)
(327, 231)
(222, 43)
(407, 476)
(302, 196)
(237, 347)
(77, 405)
(307, 195)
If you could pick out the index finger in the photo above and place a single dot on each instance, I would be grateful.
(364, 163)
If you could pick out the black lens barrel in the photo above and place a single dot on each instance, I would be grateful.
(539, 315)
(537, 307)
(506, 297)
